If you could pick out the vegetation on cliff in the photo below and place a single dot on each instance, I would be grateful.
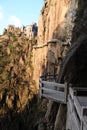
(16, 71)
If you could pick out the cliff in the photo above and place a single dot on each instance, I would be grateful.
(61, 49)
(56, 22)
(17, 87)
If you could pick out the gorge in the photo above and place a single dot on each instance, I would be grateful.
(58, 49)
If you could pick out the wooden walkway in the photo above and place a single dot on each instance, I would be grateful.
(53, 91)
(77, 109)
(75, 99)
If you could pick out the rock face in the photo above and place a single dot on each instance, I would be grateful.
(62, 28)
(55, 22)
(77, 52)
(59, 20)
(52, 19)
(30, 31)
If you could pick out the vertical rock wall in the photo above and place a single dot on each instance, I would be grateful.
(56, 22)
(52, 19)
(51, 23)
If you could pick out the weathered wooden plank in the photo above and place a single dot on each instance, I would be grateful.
(40, 92)
(84, 123)
(75, 124)
(53, 94)
(72, 92)
(70, 103)
(69, 112)
(52, 85)
(81, 105)
(50, 91)
(73, 121)
(55, 98)
(66, 92)
(77, 91)
(77, 104)
(78, 107)
(82, 100)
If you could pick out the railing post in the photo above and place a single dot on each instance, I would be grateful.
(40, 86)
(66, 92)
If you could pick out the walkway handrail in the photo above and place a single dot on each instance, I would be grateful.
(52, 90)
(77, 108)
(52, 84)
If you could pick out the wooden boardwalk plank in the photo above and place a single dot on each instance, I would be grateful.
(52, 85)
(77, 91)
(78, 107)
(52, 90)
(56, 99)
(53, 94)
(49, 91)
(72, 92)
(74, 121)
(70, 103)
(80, 103)
(69, 112)
(84, 123)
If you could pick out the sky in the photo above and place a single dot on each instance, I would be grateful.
(19, 12)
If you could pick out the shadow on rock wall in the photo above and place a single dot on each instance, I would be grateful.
(73, 69)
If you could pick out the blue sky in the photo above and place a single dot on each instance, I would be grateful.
(19, 12)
